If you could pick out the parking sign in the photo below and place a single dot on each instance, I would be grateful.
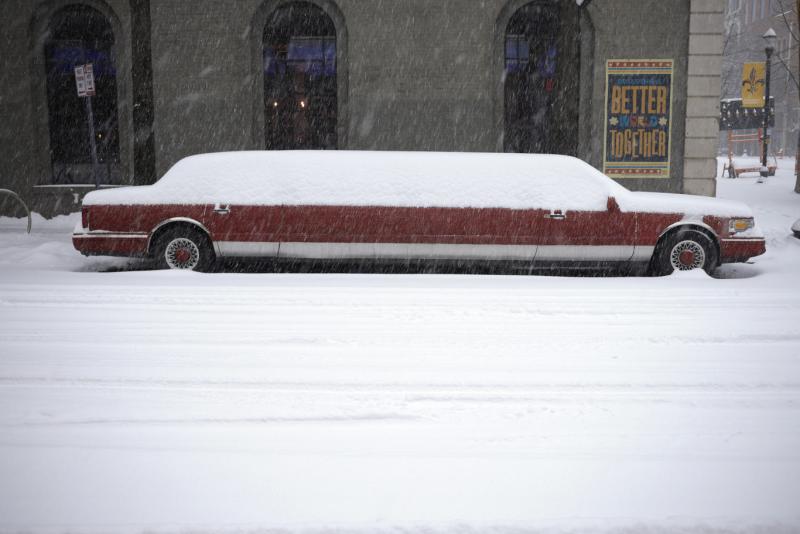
(84, 80)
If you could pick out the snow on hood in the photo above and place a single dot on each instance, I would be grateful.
(692, 206)
(375, 179)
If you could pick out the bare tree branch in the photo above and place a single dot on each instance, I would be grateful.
(789, 71)
(786, 21)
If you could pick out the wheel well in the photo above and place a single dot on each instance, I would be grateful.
(165, 227)
(693, 227)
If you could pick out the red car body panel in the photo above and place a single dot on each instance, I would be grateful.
(127, 230)
(110, 245)
(735, 250)
(373, 224)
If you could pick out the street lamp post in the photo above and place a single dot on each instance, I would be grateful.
(769, 37)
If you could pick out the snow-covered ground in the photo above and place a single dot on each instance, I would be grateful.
(181, 402)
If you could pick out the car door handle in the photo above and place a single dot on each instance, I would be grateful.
(222, 210)
(555, 215)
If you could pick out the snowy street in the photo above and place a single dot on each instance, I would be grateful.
(152, 401)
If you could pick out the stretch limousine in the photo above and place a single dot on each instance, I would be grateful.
(541, 210)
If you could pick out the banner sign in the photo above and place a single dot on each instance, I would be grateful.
(638, 118)
(84, 79)
(753, 83)
(734, 116)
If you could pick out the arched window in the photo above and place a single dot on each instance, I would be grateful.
(79, 34)
(300, 97)
(542, 72)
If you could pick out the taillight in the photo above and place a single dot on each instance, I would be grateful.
(85, 218)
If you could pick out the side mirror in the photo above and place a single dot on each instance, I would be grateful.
(612, 205)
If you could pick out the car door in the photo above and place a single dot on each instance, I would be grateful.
(586, 235)
(474, 233)
(340, 231)
(245, 230)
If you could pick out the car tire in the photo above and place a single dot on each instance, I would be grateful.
(183, 248)
(684, 250)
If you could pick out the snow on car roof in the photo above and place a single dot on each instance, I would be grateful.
(446, 179)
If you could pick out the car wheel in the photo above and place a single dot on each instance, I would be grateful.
(685, 251)
(185, 249)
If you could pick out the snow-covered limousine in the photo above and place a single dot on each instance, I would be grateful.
(539, 210)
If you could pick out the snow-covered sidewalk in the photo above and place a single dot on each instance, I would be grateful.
(183, 402)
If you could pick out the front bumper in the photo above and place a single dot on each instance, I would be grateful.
(741, 249)
(100, 243)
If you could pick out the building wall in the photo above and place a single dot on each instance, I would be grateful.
(643, 29)
(426, 80)
(702, 99)
(413, 75)
(202, 77)
(17, 157)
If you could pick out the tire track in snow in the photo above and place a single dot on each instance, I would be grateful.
(289, 386)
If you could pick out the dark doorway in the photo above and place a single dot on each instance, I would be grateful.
(79, 34)
(542, 76)
(300, 101)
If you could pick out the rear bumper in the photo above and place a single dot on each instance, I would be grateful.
(741, 249)
(109, 243)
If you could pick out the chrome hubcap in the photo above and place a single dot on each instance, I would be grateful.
(687, 255)
(182, 253)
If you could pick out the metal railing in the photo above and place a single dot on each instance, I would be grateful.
(16, 196)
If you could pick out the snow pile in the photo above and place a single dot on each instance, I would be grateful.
(353, 178)
(48, 246)
(56, 225)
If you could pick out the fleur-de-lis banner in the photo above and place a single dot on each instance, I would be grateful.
(753, 85)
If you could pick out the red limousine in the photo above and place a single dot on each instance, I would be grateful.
(541, 210)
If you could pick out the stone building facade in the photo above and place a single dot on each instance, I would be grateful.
(179, 77)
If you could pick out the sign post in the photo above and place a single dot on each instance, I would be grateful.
(84, 80)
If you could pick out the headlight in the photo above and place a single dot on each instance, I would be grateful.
(736, 226)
